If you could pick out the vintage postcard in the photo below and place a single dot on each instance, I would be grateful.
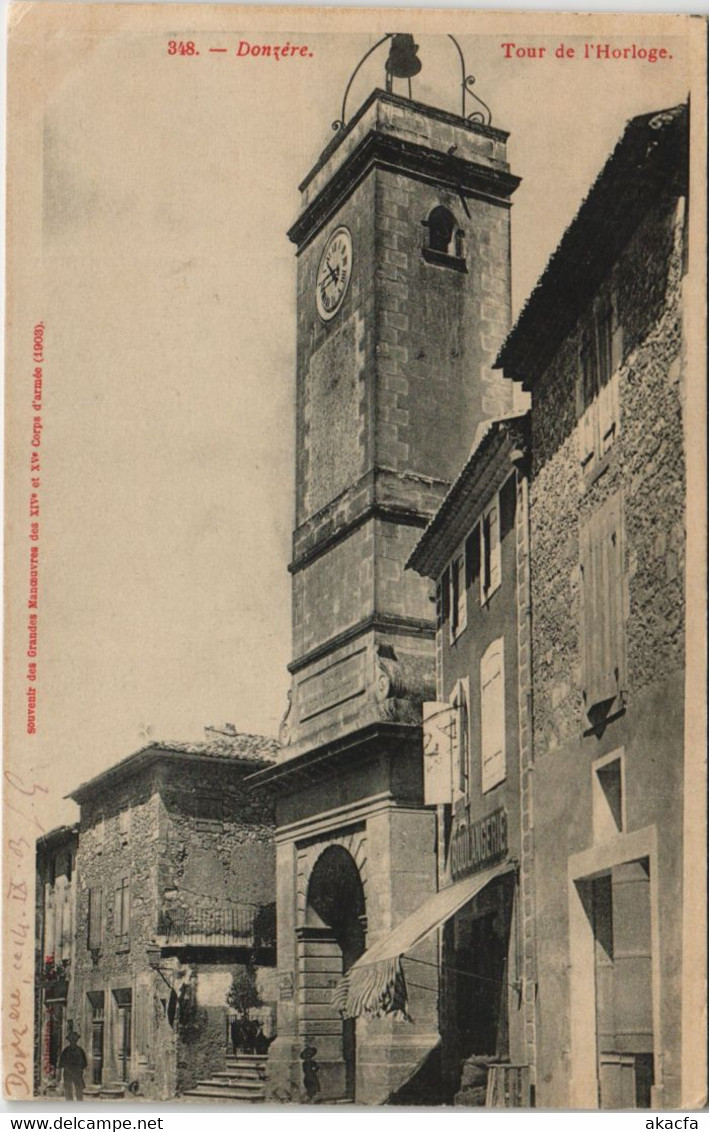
(355, 542)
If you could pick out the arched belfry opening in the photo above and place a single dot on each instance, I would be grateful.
(331, 940)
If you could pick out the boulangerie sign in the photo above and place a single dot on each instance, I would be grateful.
(312, 794)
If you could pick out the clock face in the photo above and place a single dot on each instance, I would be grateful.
(334, 273)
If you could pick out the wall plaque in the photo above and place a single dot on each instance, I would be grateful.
(340, 681)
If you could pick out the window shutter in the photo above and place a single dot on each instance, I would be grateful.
(462, 747)
(121, 913)
(494, 534)
(472, 557)
(124, 819)
(95, 918)
(492, 715)
(118, 912)
(455, 593)
(587, 435)
(126, 911)
(485, 539)
(613, 547)
(608, 413)
(602, 619)
(588, 615)
(459, 597)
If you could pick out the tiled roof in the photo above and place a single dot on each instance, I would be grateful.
(239, 748)
(649, 160)
(468, 494)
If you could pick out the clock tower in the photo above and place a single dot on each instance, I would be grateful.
(403, 299)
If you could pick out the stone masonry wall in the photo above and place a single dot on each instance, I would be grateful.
(646, 462)
(649, 446)
(231, 864)
(176, 868)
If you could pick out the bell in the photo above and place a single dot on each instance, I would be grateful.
(403, 62)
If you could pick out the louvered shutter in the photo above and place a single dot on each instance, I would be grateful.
(614, 659)
(602, 605)
(95, 931)
(586, 408)
(492, 715)
(494, 536)
(587, 626)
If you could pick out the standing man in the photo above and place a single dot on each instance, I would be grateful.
(72, 1063)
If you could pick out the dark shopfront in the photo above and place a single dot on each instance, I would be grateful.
(480, 1049)
(480, 966)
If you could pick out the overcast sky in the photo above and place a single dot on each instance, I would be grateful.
(164, 187)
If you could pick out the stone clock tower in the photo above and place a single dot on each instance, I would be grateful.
(403, 299)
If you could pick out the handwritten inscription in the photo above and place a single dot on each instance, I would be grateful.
(18, 940)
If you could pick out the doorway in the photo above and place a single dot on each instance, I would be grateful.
(332, 940)
(620, 917)
(123, 1032)
(96, 1014)
(480, 937)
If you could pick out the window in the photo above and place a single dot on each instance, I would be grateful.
(490, 550)
(597, 396)
(602, 609)
(121, 914)
(443, 598)
(208, 812)
(445, 243)
(458, 597)
(441, 225)
(492, 715)
(472, 557)
(124, 821)
(94, 935)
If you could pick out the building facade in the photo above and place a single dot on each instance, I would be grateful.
(403, 298)
(175, 895)
(476, 759)
(602, 351)
(54, 949)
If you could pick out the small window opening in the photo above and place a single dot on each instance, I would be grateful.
(441, 226)
(608, 800)
(445, 245)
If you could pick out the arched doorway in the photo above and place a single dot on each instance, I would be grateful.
(332, 940)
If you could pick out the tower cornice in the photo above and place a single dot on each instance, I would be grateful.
(480, 175)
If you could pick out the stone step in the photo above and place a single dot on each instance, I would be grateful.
(253, 1071)
(230, 1083)
(232, 1094)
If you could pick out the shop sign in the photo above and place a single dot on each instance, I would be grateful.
(441, 730)
(478, 844)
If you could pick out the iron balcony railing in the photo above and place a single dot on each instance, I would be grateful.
(236, 925)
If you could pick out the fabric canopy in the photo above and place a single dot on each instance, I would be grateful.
(375, 984)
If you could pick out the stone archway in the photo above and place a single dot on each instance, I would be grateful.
(331, 940)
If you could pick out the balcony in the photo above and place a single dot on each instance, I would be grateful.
(237, 925)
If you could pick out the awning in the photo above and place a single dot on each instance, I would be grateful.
(375, 984)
